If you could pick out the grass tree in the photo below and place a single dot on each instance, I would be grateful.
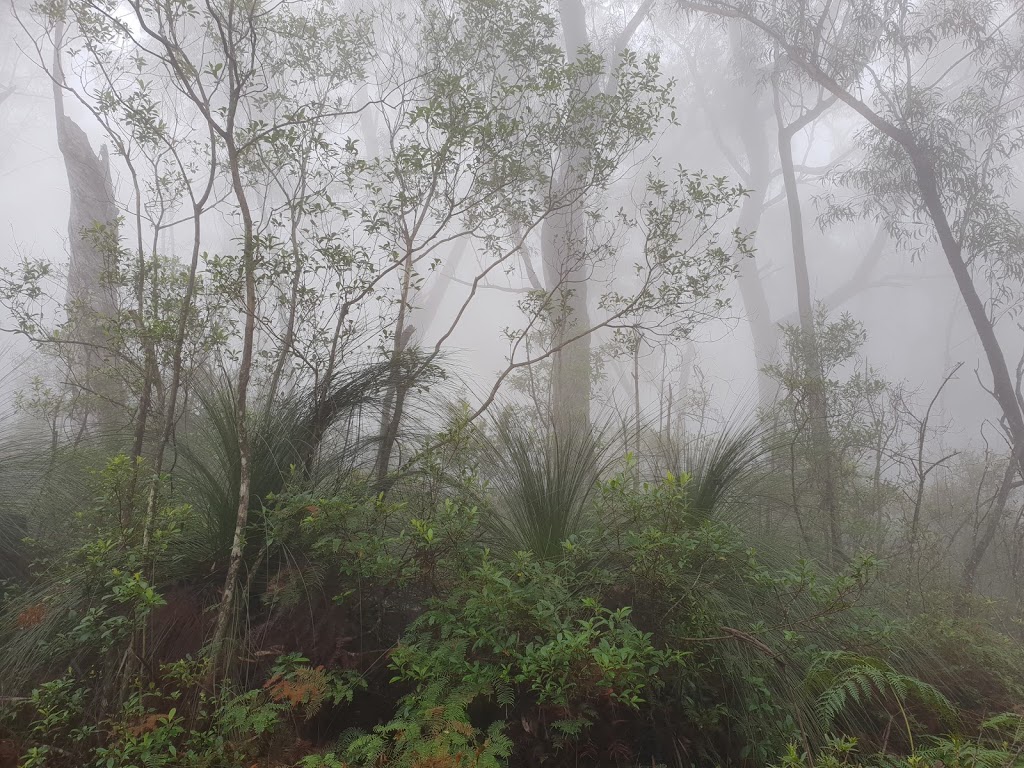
(223, 67)
(245, 116)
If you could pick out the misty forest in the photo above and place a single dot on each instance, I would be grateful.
(481, 383)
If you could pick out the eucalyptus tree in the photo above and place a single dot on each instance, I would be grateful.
(504, 140)
(243, 74)
(730, 82)
(124, 293)
(728, 90)
(245, 116)
(668, 261)
(564, 237)
(88, 301)
(813, 379)
(938, 86)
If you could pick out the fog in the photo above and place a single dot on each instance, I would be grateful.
(332, 326)
(904, 289)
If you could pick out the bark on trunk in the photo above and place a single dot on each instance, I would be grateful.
(1002, 384)
(565, 275)
(224, 611)
(394, 399)
(92, 236)
(563, 250)
(763, 331)
(821, 440)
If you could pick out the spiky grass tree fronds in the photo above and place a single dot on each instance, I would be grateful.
(302, 440)
(23, 468)
(210, 470)
(27, 452)
(977, 667)
(81, 539)
(727, 470)
(543, 485)
(756, 627)
(54, 498)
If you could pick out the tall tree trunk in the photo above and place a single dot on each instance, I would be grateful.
(224, 611)
(1003, 388)
(563, 252)
(92, 235)
(810, 354)
(394, 400)
(763, 330)
(565, 276)
(427, 307)
(753, 134)
(564, 245)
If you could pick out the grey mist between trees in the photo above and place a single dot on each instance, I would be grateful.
(511, 383)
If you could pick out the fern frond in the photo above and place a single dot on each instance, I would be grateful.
(851, 679)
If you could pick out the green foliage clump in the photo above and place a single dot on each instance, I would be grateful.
(647, 630)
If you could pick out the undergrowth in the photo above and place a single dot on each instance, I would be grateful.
(403, 630)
